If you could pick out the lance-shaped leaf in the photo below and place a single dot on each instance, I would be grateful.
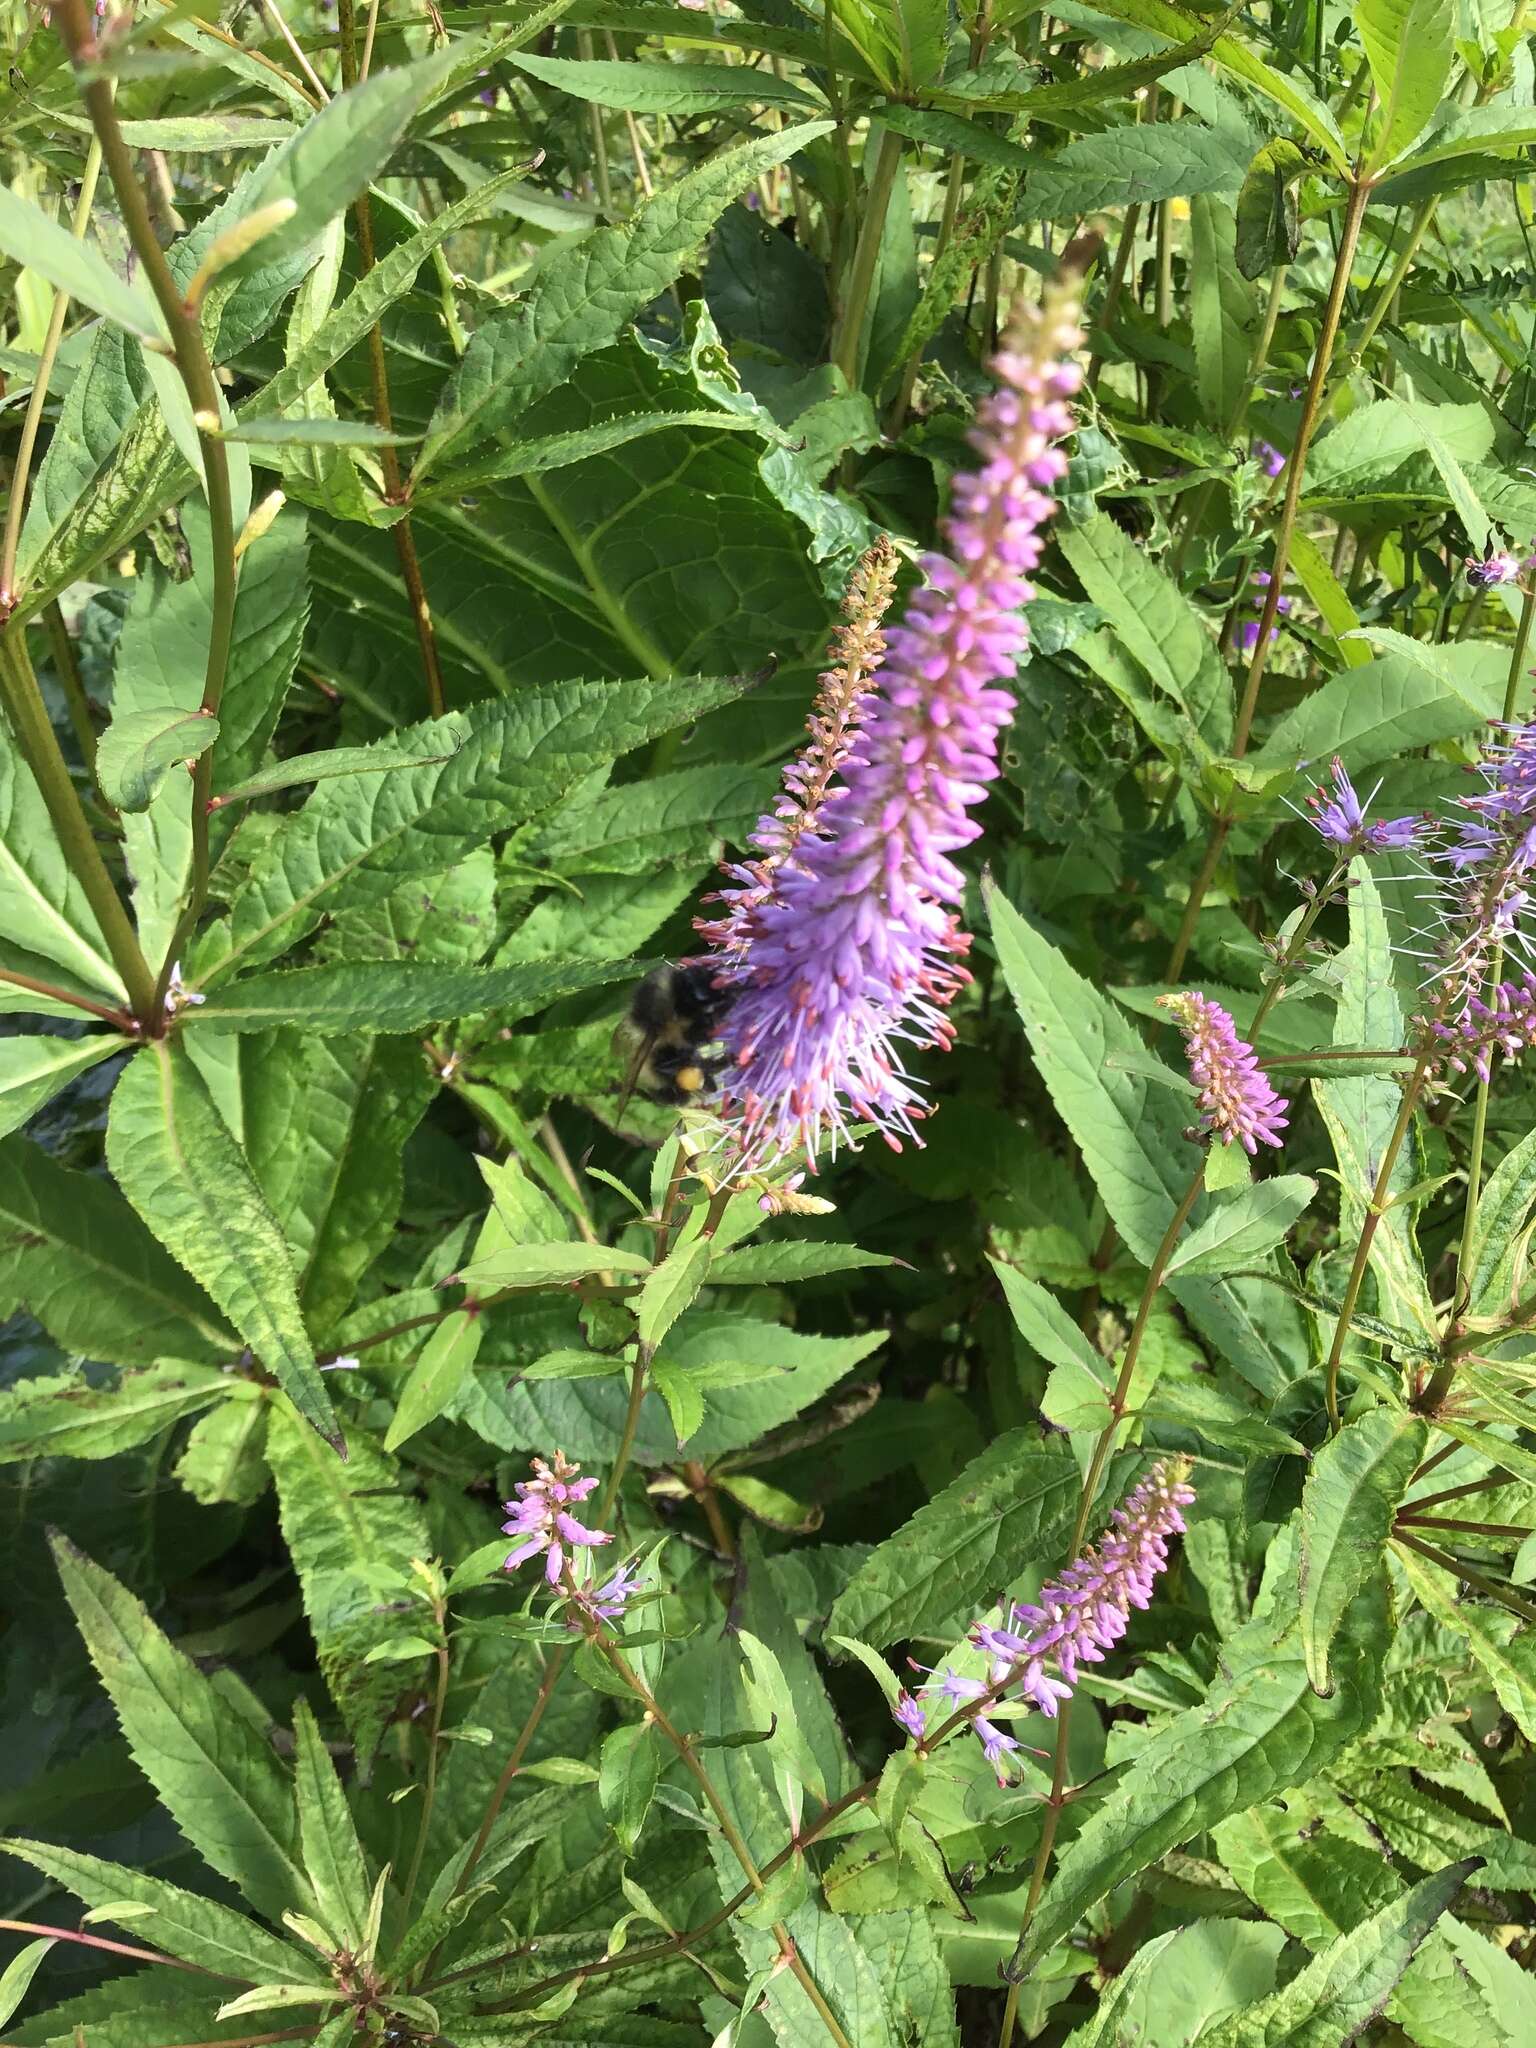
(479, 773)
(333, 1856)
(70, 1416)
(1243, 1224)
(172, 1155)
(447, 1359)
(352, 1532)
(219, 1778)
(1409, 46)
(1353, 1491)
(183, 1924)
(1505, 1650)
(36, 242)
(1259, 1729)
(586, 294)
(139, 749)
(78, 1258)
(1012, 1506)
(1339, 1993)
(34, 1069)
(664, 88)
(398, 995)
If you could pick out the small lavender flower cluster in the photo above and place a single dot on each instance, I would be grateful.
(1236, 1100)
(1268, 457)
(1495, 568)
(1078, 1618)
(1507, 1025)
(1339, 817)
(541, 1516)
(855, 949)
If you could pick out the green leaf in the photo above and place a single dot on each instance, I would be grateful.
(1259, 1729)
(299, 769)
(46, 913)
(335, 157)
(1045, 1325)
(447, 1359)
(16, 1980)
(771, 1265)
(1133, 167)
(140, 748)
(1131, 1136)
(1395, 703)
(325, 1121)
(1409, 45)
(1488, 1632)
(1353, 1491)
(316, 433)
(352, 1531)
(1013, 1506)
(627, 1780)
(184, 1924)
(633, 829)
(1315, 1884)
(1360, 1111)
(172, 1155)
(333, 1856)
(584, 296)
(1341, 1991)
(663, 87)
(541, 452)
(1498, 1241)
(36, 242)
(491, 768)
(953, 134)
(1155, 623)
(1222, 313)
(671, 1287)
(72, 1417)
(79, 1259)
(1459, 144)
(1243, 1224)
(549, 1265)
(398, 995)
(1268, 226)
(219, 1778)
(223, 1459)
(33, 1070)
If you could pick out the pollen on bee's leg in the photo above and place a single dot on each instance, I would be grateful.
(690, 1079)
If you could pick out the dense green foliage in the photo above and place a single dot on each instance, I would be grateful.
(439, 445)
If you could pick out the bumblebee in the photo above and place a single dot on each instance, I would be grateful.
(674, 1016)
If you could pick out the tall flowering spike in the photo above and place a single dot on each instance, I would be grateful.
(541, 1516)
(857, 650)
(1490, 859)
(1082, 1614)
(1339, 816)
(854, 951)
(1236, 1100)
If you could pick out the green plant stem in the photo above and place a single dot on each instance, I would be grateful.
(120, 1018)
(849, 332)
(1114, 286)
(1517, 656)
(1354, 215)
(952, 193)
(1489, 1587)
(434, 1736)
(1375, 1210)
(1091, 1481)
(729, 1831)
(599, 139)
(116, 1948)
(40, 750)
(38, 397)
(1359, 196)
(67, 669)
(395, 492)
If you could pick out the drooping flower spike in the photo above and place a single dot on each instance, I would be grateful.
(1236, 1100)
(854, 952)
(541, 1516)
(1491, 859)
(1036, 1655)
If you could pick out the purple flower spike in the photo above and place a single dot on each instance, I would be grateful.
(1507, 1025)
(609, 1600)
(855, 952)
(1339, 816)
(1491, 858)
(1086, 1610)
(1235, 1097)
(541, 1517)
